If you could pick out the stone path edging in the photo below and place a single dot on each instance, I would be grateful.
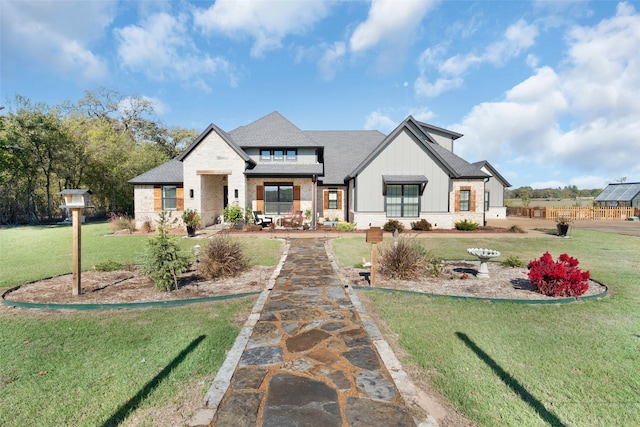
(204, 415)
(400, 378)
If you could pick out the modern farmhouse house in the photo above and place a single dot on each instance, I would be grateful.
(363, 177)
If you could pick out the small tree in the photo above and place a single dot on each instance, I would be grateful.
(164, 260)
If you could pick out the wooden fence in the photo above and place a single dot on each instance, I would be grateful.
(575, 212)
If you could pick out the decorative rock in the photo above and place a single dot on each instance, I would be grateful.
(261, 356)
(376, 386)
(300, 401)
(240, 409)
(366, 413)
(306, 340)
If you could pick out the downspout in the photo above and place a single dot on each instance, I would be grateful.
(484, 211)
(314, 196)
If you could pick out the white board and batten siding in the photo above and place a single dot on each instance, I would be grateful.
(404, 156)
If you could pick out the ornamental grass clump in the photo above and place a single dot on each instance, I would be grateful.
(223, 257)
(560, 278)
(406, 261)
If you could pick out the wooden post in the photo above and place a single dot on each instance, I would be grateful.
(374, 236)
(76, 224)
(374, 262)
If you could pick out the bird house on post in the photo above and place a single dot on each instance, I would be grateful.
(76, 200)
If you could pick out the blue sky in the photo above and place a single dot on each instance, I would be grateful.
(547, 91)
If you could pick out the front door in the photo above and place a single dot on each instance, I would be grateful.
(225, 197)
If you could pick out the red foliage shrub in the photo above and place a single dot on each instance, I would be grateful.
(560, 278)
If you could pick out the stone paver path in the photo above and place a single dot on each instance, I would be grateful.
(309, 360)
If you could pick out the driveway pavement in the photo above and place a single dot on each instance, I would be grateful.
(628, 228)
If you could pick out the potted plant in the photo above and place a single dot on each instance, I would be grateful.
(563, 225)
(191, 220)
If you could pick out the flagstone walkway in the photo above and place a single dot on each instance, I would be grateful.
(311, 357)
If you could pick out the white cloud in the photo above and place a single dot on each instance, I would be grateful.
(388, 20)
(423, 87)
(59, 35)
(378, 121)
(517, 38)
(330, 61)
(267, 23)
(538, 185)
(589, 181)
(580, 120)
(161, 48)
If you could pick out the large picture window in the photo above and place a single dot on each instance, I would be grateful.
(465, 198)
(403, 200)
(278, 198)
(169, 197)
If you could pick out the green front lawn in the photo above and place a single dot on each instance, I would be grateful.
(37, 252)
(101, 367)
(97, 368)
(515, 365)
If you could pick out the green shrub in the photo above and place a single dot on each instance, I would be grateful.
(437, 265)
(223, 257)
(422, 225)
(406, 261)
(466, 225)
(164, 260)
(393, 225)
(109, 265)
(233, 213)
(513, 261)
(345, 226)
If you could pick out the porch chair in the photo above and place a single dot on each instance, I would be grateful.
(293, 220)
(260, 219)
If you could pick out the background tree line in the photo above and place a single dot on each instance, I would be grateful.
(99, 142)
(568, 192)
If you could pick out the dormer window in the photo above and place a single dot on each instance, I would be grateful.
(290, 155)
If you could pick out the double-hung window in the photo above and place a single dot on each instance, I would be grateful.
(278, 198)
(403, 200)
(333, 199)
(465, 198)
(169, 197)
(486, 200)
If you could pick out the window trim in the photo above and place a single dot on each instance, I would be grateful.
(279, 203)
(403, 204)
(462, 206)
(165, 198)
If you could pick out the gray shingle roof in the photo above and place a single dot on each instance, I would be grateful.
(346, 153)
(343, 150)
(494, 172)
(272, 130)
(284, 169)
(167, 173)
(224, 135)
